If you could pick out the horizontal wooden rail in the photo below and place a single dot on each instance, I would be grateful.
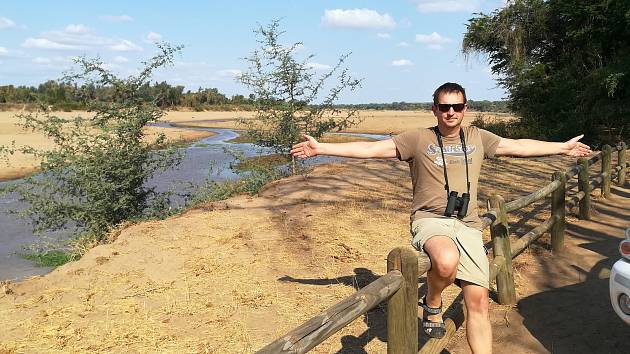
(593, 160)
(573, 171)
(531, 236)
(322, 326)
(488, 218)
(532, 197)
(596, 181)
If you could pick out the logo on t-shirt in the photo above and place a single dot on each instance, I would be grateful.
(449, 150)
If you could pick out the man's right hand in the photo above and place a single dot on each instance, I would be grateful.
(305, 149)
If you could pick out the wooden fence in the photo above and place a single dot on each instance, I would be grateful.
(399, 287)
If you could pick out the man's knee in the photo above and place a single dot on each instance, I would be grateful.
(444, 256)
(477, 302)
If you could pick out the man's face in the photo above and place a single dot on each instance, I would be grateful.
(451, 118)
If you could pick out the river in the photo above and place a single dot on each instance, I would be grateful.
(206, 158)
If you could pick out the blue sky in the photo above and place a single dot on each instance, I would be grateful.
(402, 49)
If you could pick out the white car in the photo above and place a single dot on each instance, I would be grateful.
(620, 281)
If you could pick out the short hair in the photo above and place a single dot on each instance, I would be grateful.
(448, 87)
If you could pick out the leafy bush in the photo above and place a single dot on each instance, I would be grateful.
(95, 177)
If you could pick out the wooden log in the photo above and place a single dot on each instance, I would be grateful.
(532, 197)
(606, 164)
(501, 247)
(557, 211)
(621, 162)
(519, 246)
(317, 329)
(597, 180)
(572, 172)
(402, 307)
(574, 201)
(584, 186)
(488, 218)
(497, 263)
(593, 160)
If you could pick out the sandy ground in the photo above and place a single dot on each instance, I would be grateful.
(231, 276)
(20, 165)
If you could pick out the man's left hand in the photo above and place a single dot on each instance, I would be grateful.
(576, 149)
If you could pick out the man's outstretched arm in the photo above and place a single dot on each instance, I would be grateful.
(361, 149)
(529, 147)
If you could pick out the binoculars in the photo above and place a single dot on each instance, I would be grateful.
(457, 204)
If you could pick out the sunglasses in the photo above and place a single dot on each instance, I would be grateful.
(445, 107)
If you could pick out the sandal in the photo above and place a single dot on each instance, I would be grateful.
(433, 329)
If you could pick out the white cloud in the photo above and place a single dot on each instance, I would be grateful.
(124, 45)
(447, 5)
(77, 29)
(120, 59)
(384, 35)
(357, 18)
(318, 66)
(44, 43)
(40, 60)
(154, 37)
(6, 23)
(78, 37)
(229, 73)
(120, 18)
(403, 44)
(402, 62)
(3, 51)
(433, 41)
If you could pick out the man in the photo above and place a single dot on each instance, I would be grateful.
(448, 157)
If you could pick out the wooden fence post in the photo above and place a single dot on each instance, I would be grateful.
(402, 307)
(621, 161)
(501, 247)
(606, 170)
(558, 212)
(584, 186)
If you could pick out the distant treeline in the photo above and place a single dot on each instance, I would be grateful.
(67, 97)
(62, 96)
(479, 106)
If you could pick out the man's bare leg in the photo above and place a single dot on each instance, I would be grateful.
(444, 260)
(478, 328)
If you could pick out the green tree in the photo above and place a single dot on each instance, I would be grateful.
(565, 64)
(95, 177)
(290, 98)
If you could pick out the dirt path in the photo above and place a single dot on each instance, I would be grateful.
(563, 302)
(231, 276)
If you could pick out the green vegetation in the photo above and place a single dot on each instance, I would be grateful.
(96, 176)
(49, 258)
(289, 97)
(255, 173)
(478, 106)
(261, 162)
(65, 96)
(565, 64)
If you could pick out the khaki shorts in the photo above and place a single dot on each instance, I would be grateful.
(473, 263)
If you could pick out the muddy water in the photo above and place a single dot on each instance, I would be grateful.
(206, 158)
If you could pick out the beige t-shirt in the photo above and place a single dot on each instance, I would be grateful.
(420, 149)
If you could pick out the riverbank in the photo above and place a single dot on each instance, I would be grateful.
(20, 165)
